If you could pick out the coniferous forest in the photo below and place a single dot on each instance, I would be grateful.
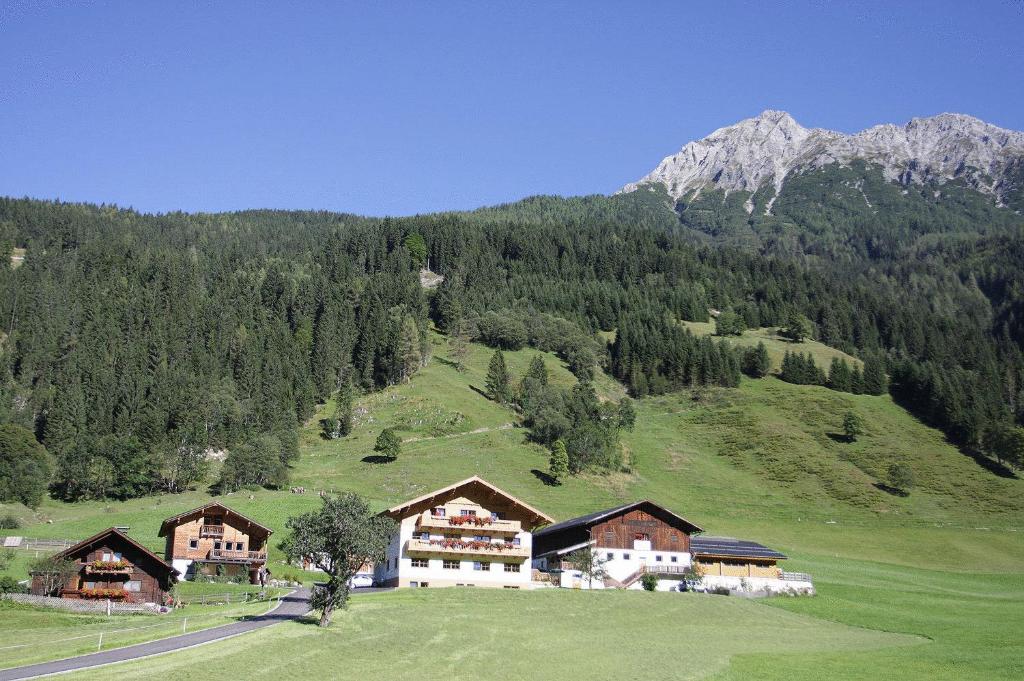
(134, 344)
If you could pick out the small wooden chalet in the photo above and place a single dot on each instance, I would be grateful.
(728, 557)
(216, 540)
(113, 566)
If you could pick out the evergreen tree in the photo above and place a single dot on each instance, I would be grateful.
(874, 380)
(388, 444)
(839, 376)
(538, 371)
(853, 426)
(458, 343)
(344, 405)
(756, 363)
(558, 466)
(499, 381)
(728, 323)
(25, 467)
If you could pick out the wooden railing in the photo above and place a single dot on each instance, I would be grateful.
(448, 524)
(240, 556)
(211, 530)
(796, 576)
(493, 550)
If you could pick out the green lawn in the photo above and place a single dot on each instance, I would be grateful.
(761, 462)
(495, 634)
(30, 634)
(776, 345)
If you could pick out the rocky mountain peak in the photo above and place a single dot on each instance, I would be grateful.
(768, 147)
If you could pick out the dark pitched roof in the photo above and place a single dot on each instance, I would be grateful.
(166, 525)
(71, 550)
(731, 548)
(597, 516)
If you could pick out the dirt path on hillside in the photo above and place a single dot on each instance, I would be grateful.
(476, 431)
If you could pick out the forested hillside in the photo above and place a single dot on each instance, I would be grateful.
(136, 344)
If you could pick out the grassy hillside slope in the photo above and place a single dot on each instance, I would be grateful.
(762, 461)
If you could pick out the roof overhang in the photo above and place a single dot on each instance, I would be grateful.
(440, 496)
(112, 531)
(173, 521)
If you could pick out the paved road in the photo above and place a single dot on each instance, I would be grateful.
(293, 606)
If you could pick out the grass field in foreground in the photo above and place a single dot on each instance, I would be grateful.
(495, 634)
(30, 634)
(761, 462)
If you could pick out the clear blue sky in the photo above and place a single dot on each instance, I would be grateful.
(398, 108)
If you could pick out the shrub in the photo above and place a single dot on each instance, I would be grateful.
(649, 582)
(719, 590)
(9, 522)
(9, 585)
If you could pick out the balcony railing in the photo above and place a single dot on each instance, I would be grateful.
(796, 577)
(476, 548)
(660, 569)
(211, 530)
(237, 556)
(470, 523)
(99, 568)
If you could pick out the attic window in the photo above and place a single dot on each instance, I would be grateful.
(672, 537)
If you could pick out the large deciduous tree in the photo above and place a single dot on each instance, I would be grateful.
(339, 538)
(25, 467)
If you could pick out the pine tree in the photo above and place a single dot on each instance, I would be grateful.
(558, 466)
(874, 375)
(388, 444)
(538, 370)
(458, 343)
(343, 407)
(499, 381)
(756, 363)
(409, 348)
(839, 376)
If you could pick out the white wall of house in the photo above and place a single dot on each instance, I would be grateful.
(398, 565)
(620, 564)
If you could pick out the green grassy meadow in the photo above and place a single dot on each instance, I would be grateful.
(930, 585)
(776, 345)
(32, 634)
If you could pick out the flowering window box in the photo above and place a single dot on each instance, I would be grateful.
(112, 594)
(120, 567)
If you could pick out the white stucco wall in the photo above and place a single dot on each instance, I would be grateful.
(437, 575)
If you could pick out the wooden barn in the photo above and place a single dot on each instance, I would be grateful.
(111, 565)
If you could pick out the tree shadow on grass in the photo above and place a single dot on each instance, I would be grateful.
(991, 465)
(544, 477)
(891, 490)
(447, 362)
(839, 437)
(479, 391)
(376, 458)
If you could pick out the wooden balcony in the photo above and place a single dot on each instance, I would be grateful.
(94, 569)
(449, 524)
(215, 531)
(225, 556)
(466, 548)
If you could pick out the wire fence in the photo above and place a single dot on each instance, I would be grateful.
(38, 648)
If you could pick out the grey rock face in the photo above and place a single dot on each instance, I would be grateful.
(768, 147)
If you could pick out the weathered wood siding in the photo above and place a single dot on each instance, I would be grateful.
(621, 531)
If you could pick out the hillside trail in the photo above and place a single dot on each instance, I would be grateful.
(475, 431)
